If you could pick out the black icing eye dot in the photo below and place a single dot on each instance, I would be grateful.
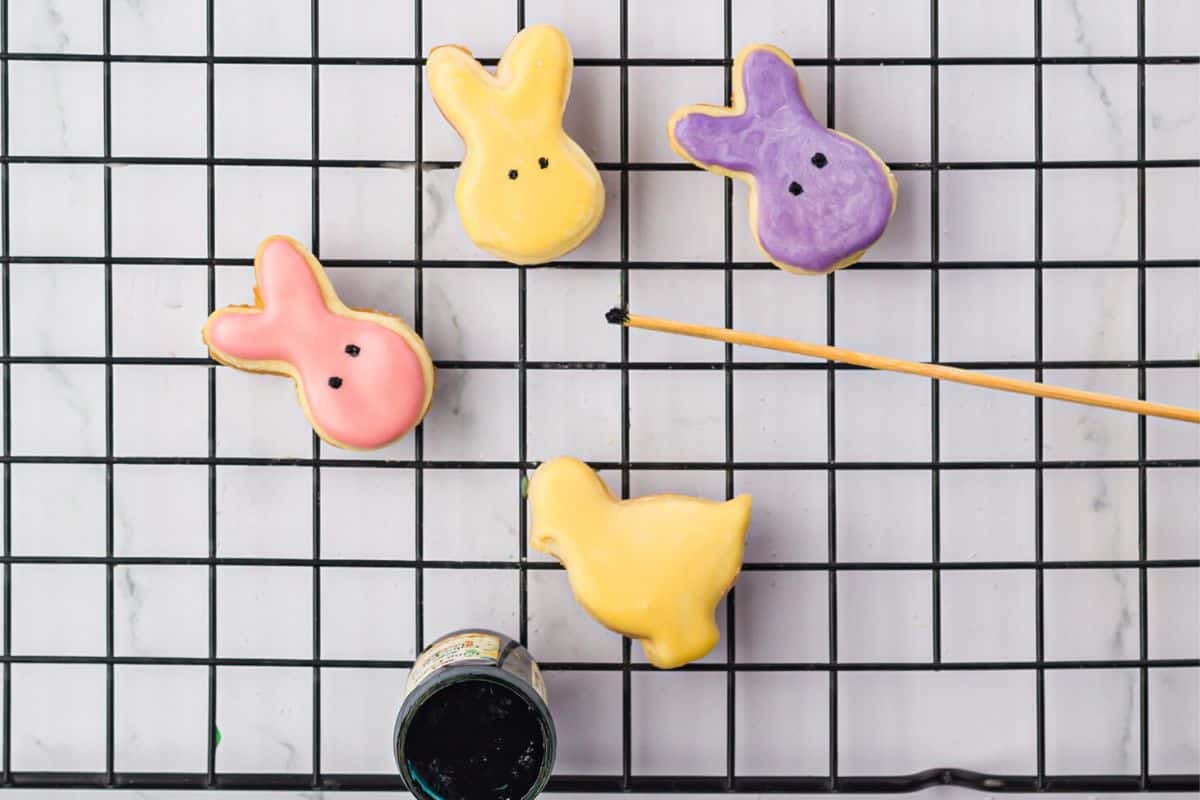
(819, 160)
(543, 162)
(335, 382)
(512, 174)
(353, 350)
(795, 188)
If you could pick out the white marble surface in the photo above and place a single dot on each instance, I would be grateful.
(889, 721)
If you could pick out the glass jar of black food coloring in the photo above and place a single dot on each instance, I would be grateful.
(474, 724)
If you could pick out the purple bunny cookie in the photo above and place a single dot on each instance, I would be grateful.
(818, 198)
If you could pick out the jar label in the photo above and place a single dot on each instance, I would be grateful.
(453, 650)
(535, 678)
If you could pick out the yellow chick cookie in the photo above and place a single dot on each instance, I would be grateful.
(652, 568)
(526, 191)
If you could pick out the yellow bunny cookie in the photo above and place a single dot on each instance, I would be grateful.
(526, 191)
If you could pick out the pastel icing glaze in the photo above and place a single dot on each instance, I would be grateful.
(364, 378)
(652, 568)
(818, 198)
(526, 193)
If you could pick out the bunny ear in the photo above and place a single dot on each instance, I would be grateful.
(288, 292)
(711, 137)
(538, 64)
(459, 84)
(731, 139)
(286, 280)
(769, 81)
(241, 333)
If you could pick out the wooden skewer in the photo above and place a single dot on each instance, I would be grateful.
(938, 372)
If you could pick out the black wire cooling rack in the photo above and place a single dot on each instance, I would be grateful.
(626, 779)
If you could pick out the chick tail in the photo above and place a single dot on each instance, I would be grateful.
(740, 505)
(737, 511)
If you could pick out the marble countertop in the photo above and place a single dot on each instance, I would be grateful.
(1106, 240)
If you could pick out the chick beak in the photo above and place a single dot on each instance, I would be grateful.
(540, 541)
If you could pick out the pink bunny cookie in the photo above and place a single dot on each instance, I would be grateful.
(364, 378)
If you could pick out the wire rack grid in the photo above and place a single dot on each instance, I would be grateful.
(833, 778)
